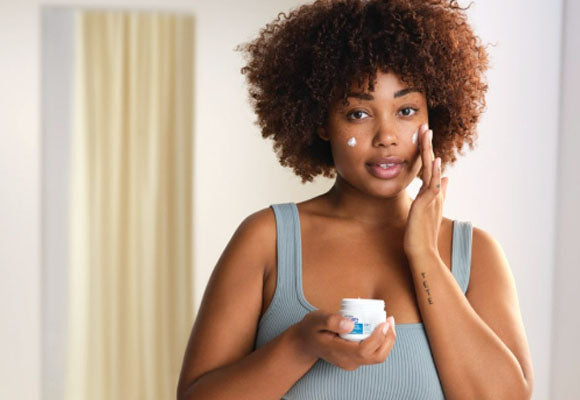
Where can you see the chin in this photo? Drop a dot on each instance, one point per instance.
(387, 189)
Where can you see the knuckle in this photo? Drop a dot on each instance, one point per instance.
(370, 351)
(351, 367)
(379, 358)
(385, 352)
(384, 356)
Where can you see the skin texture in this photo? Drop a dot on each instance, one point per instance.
(363, 227)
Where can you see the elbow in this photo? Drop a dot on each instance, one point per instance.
(184, 390)
(526, 385)
(181, 392)
(506, 389)
(520, 386)
(187, 392)
(522, 391)
(528, 389)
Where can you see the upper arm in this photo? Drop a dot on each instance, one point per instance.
(492, 294)
(225, 327)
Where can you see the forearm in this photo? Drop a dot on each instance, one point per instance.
(267, 373)
(472, 361)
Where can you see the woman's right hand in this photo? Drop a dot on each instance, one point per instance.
(318, 332)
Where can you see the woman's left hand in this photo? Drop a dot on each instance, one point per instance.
(426, 211)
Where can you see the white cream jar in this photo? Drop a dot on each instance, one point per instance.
(366, 314)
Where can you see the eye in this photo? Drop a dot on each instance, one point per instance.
(409, 108)
(355, 113)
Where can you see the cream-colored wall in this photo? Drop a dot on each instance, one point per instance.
(507, 186)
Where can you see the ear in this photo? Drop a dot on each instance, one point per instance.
(322, 134)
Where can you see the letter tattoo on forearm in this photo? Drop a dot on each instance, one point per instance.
(426, 287)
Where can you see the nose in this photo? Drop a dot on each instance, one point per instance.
(386, 134)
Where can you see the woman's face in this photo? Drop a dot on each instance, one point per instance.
(373, 125)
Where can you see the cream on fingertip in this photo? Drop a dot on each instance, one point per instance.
(415, 136)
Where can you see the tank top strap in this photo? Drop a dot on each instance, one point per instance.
(288, 251)
(284, 308)
(461, 253)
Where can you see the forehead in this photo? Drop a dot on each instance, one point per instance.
(387, 85)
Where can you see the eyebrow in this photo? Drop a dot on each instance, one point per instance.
(367, 96)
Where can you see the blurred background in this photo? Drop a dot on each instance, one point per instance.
(107, 240)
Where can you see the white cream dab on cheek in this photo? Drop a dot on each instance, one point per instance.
(351, 142)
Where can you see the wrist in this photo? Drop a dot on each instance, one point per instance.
(422, 256)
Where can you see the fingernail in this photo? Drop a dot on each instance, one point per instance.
(424, 126)
(438, 162)
(385, 328)
(430, 135)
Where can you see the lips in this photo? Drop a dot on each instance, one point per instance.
(385, 173)
(385, 160)
(394, 166)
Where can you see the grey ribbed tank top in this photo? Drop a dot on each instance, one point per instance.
(409, 372)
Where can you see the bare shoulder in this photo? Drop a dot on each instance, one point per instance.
(259, 230)
(488, 260)
(254, 232)
(261, 223)
(490, 269)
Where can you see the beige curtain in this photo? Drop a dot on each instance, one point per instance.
(130, 286)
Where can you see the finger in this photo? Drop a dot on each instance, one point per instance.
(420, 131)
(421, 134)
(371, 344)
(391, 335)
(426, 156)
(337, 323)
(435, 184)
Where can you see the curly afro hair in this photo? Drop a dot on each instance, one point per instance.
(300, 65)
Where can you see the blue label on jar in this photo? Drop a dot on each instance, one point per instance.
(359, 327)
(367, 328)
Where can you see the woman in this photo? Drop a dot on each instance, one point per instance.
(374, 93)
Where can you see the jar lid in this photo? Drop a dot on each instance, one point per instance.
(365, 303)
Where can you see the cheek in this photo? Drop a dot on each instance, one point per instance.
(348, 151)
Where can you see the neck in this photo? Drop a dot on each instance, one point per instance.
(350, 203)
